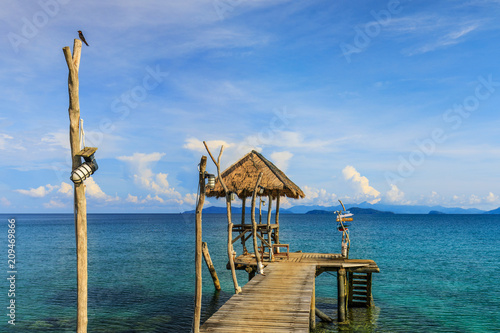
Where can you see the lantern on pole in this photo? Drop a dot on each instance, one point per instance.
(87, 168)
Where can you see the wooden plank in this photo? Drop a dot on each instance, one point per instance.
(86, 152)
(279, 301)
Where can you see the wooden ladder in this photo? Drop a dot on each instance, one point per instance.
(360, 290)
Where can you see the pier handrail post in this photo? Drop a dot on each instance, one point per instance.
(277, 218)
(80, 203)
(230, 250)
(198, 248)
(254, 226)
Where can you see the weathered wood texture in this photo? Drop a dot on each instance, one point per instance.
(360, 289)
(254, 223)
(80, 203)
(323, 261)
(341, 296)
(230, 251)
(198, 247)
(210, 266)
(279, 301)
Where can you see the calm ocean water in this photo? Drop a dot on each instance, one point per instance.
(439, 273)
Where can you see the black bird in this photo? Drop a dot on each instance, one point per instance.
(82, 38)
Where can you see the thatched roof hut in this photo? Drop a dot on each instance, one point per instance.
(240, 178)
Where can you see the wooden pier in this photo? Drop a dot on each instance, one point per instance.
(279, 301)
(282, 300)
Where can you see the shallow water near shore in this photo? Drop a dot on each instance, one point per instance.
(438, 272)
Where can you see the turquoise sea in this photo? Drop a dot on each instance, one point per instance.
(439, 273)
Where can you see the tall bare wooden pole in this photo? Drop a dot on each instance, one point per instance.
(237, 289)
(80, 204)
(198, 251)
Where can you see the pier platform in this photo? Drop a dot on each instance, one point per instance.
(283, 299)
(279, 301)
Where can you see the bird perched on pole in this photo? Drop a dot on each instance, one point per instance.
(80, 34)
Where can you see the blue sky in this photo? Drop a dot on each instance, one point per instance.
(381, 101)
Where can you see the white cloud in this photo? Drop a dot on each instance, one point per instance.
(214, 145)
(54, 204)
(94, 191)
(281, 159)
(66, 189)
(143, 175)
(315, 196)
(361, 183)
(190, 199)
(491, 197)
(38, 192)
(132, 198)
(474, 199)
(59, 139)
(147, 199)
(395, 195)
(7, 142)
(3, 141)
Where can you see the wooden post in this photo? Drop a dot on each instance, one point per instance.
(312, 313)
(260, 210)
(243, 203)
(350, 278)
(243, 200)
(369, 300)
(254, 224)
(270, 206)
(324, 317)
(277, 219)
(269, 238)
(198, 251)
(237, 288)
(210, 266)
(80, 203)
(341, 295)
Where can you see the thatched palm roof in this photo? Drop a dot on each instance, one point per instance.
(241, 177)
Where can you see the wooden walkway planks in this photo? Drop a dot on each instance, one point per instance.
(279, 301)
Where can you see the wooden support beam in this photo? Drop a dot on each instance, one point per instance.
(341, 295)
(312, 313)
(198, 246)
(264, 241)
(324, 317)
(210, 266)
(239, 236)
(254, 225)
(80, 202)
(269, 231)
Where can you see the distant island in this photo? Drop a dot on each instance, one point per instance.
(363, 208)
(354, 210)
(435, 212)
